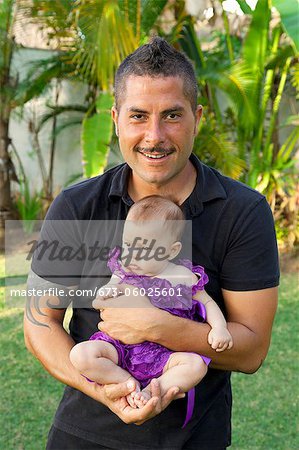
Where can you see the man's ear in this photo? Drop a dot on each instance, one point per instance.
(114, 115)
(175, 250)
(198, 114)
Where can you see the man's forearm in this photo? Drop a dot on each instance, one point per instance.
(51, 345)
(186, 335)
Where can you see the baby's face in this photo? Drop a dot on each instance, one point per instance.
(146, 247)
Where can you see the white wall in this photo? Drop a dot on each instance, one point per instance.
(67, 156)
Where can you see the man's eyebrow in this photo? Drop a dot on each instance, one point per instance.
(136, 110)
(175, 108)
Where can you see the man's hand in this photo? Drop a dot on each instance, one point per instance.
(130, 320)
(114, 397)
(130, 325)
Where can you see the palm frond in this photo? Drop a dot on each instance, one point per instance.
(40, 75)
(237, 83)
(56, 111)
(215, 147)
(150, 10)
(105, 38)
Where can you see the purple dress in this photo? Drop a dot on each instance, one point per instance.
(146, 360)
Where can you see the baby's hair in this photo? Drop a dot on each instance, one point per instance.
(157, 208)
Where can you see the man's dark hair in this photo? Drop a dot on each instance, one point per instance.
(157, 59)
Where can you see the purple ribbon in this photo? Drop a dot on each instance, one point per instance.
(190, 406)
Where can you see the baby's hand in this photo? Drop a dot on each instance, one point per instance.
(220, 339)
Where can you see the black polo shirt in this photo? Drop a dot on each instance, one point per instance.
(233, 237)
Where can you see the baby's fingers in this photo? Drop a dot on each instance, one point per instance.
(222, 347)
(226, 345)
(215, 344)
(210, 339)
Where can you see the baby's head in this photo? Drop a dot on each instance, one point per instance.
(152, 234)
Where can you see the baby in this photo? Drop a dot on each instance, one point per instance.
(146, 264)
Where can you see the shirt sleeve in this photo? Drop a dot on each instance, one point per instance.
(58, 254)
(251, 259)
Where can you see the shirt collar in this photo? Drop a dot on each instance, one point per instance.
(208, 186)
(119, 184)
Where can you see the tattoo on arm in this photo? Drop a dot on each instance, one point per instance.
(39, 295)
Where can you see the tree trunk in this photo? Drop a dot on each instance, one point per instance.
(6, 206)
(6, 165)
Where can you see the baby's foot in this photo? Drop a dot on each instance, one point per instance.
(141, 398)
(130, 397)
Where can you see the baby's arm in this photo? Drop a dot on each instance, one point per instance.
(219, 337)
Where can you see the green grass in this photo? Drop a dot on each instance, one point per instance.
(29, 395)
(265, 407)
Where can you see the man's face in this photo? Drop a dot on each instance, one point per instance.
(156, 127)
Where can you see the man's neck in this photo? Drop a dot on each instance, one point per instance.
(177, 189)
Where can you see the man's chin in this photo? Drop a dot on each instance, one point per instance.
(154, 179)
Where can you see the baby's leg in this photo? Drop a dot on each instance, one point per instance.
(182, 369)
(98, 360)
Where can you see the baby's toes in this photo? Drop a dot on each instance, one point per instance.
(137, 396)
(131, 400)
(145, 396)
(133, 394)
(139, 403)
(144, 400)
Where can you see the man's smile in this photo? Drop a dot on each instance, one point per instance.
(155, 154)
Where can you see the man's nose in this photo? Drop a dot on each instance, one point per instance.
(154, 133)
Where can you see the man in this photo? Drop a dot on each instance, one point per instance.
(156, 119)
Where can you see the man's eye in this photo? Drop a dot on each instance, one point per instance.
(173, 116)
(137, 116)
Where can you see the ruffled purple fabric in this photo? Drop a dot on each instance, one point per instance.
(146, 360)
(143, 361)
(181, 300)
